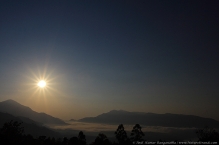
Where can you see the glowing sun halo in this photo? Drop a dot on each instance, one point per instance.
(41, 84)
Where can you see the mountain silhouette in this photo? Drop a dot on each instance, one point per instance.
(30, 126)
(151, 119)
(72, 120)
(16, 109)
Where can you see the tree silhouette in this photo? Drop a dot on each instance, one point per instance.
(12, 132)
(207, 134)
(101, 139)
(73, 141)
(121, 135)
(136, 133)
(65, 141)
(81, 138)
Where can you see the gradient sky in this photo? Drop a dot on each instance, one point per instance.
(96, 56)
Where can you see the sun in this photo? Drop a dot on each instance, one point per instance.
(42, 84)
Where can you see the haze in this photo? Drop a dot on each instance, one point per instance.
(97, 56)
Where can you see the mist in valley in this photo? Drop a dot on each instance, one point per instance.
(152, 133)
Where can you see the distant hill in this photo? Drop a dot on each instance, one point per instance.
(72, 120)
(30, 126)
(16, 109)
(151, 119)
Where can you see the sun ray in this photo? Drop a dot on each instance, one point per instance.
(41, 86)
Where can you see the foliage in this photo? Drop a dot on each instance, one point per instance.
(136, 133)
(12, 133)
(81, 138)
(207, 134)
(101, 139)
(121, 135)
(12, 128)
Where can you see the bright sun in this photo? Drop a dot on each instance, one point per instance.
(41, 84)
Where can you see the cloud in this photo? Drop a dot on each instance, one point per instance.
(151, 132)
(96, 127)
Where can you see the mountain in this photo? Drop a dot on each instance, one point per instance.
(16, 109)
(30, 126)
(151, 119)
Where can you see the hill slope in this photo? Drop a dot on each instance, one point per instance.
(151, 119)
(16, 109)
(30, 126)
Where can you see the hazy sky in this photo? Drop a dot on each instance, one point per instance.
(96, 56)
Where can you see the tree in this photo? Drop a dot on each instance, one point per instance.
(65, 141)
(121, 135)
(81, 138)
(12, 132)
(136, 133)
(207, 134)
(101, 139)
(73, 141)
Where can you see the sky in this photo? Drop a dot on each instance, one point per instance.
(96, 56)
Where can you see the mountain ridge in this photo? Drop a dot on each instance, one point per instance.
(152, 119)
(14, 108)
(30, 126)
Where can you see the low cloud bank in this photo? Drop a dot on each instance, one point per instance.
(151, 132)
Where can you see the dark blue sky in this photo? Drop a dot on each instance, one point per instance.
(149, 56)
